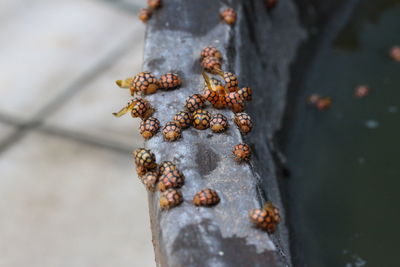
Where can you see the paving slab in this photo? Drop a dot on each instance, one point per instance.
(44, 47)
(5, 131)
(71, 204)
(89, 112)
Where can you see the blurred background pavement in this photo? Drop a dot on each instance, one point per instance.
(70, 195)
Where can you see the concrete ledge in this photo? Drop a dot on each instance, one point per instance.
(259, 48)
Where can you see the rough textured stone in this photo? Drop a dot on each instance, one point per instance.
(259, 48)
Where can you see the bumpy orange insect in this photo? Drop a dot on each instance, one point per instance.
(140, 170)
(233, 98)
(211, 64)
(184, 119)
(218, 123)
(144, 83)
(144, 14)
(244, 122)
(139, 107)
(229, 16)
(395, 53)
(171, 179)
(144, 157)
(231, 81)
(194, 102)
(154, 3)
(211, 96)
(324, 103)
(172, 131)
(242, 152)
(201, 119)
(150, 180)
(166, 166)
(215, 93)
(170, 81)
(246, 93)
(211, 51)
(266, 218)
(149, 127)
(361, 91)
(170, 198)
(206, 197)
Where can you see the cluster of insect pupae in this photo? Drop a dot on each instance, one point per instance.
(168, 179)
(220, 94)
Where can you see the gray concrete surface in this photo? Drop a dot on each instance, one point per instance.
(5, 131)
(70, 195)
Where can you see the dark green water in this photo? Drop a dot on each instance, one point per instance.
(344, 183)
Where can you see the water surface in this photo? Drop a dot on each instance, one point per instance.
(344, 183)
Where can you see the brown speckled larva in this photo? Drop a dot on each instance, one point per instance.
(266, 218)
(170, 198)
(323, 103)
(233, 98)
(144, 14)
(219, 123)
(395, 53)
(150, 180)
(140, 170)
(166, 166)
(242, 152)
(149, 127)
(211, 64)
(145, 83)
(171, 179)
(170, 81)
(211, 96)
(211, 51)
(231, 81)
(215, 92)
(184, 118)
(139, 108)
(144, 157)
(361, 91)
(172, 131)
(154, 3)
(201, 119)
(142, 109)
(194, 102)
(246, 93)
(244, 122)
(229, 16)
(206, 197)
